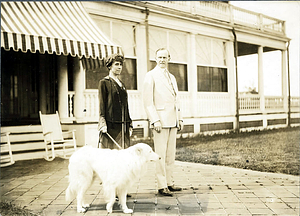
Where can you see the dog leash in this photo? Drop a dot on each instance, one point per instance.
(114, 141)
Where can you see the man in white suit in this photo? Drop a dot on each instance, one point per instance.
(160, 97)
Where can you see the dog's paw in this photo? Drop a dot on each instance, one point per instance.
(81, 210)
(86, 205)
(127, 211)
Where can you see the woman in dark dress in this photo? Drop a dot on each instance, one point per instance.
(114, 117)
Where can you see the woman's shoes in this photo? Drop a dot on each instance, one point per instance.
(173, 188)
(165, 192)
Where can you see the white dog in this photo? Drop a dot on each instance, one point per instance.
(117, 169)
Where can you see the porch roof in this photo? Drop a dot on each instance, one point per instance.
(63, 27)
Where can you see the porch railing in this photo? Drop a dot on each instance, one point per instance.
(295, 104)
(213, 104)
(209, 104)
(227, 13)
(91, 104)
(252, 103)
(249, 102)
(274, 103)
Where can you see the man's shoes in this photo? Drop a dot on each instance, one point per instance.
(165, 192)
(173, 188)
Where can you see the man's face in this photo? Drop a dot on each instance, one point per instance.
(162, 58)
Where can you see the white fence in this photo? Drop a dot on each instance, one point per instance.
(206, 104)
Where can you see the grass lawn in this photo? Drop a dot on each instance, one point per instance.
(9, 209)
(274, 150)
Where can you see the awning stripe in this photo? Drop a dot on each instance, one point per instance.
(62, 27)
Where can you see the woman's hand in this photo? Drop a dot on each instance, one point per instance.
(130, 131)
(103, 129)
(180, 126)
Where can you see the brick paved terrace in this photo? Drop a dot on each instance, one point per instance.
(40, 186)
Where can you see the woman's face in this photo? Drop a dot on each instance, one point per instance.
(116, 67)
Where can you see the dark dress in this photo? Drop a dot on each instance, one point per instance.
(113, 111)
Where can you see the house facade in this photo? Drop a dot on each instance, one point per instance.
(205, 40)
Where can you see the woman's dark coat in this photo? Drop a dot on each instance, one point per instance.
(113, 102)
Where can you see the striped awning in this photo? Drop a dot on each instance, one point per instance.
(62, 27)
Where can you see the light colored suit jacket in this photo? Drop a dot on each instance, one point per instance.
(160, 101)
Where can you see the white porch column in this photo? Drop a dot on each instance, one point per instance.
(62, 71)
(284, 79)
(192, 74)
(79, 86)
(141, 73)
(261, 83)
(230, 61)
(142, 57)
(43, 92)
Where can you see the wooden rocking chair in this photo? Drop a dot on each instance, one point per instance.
(55, 143)
(6, 153)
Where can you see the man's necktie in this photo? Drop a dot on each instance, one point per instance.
(167, 74)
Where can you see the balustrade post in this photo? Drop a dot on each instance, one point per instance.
(283, 27)
(260, 22)
(231, 18)
(193, 6)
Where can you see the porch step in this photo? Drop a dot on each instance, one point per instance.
(22, 129)
(26, 141)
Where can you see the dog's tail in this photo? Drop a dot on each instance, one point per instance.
(71, 190)
(69, 194)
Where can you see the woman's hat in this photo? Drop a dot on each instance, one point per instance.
(112, 58)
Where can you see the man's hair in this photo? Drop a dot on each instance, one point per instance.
(160, 49)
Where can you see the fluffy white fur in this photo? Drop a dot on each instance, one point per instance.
(117, 169)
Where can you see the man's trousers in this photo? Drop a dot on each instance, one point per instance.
(165, 147)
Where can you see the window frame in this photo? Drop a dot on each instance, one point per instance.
(110, 35)
(212, 67)
(186, 84)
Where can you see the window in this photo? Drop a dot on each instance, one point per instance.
(176, 43)
(128, 75)
(123, 34)
(212, 79)
(157, 39)
(92, 77)
(210, 51)
(180, 73)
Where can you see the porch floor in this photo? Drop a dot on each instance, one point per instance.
(208, 190)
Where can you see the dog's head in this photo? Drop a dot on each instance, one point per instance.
(144, 150)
